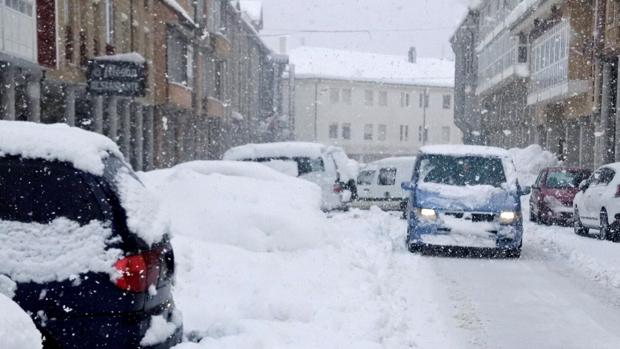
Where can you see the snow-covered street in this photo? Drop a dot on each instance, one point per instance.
(367, 291)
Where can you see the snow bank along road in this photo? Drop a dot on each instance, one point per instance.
(257, 267)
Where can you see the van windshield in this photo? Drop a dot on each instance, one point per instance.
(461, 170)
(39, 191)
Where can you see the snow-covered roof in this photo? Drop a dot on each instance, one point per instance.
(317, 62)
(463, 150)
(85, 150)
(253, 8)
(272, 150)
(180, 10)
(134, 57)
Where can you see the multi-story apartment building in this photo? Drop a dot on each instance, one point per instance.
(466, 109)
(534, 81)
(606, 57)
(373, 105)
(211, 81)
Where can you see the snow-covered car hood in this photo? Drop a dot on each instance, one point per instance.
(479, 198)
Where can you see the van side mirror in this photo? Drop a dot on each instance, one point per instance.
(526, 190)
(583, 185)
(408, 186)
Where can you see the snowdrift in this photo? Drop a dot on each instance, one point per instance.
(17, 331)
(530, 160)
(241, 204)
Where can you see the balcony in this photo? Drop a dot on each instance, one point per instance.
(551, 79)
(501, 62)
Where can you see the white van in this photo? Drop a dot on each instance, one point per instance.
(327, 166)
(378, 184)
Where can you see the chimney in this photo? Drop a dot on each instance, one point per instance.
(413, 55)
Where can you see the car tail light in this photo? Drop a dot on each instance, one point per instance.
(337, 188)
(138, 272)
(618, 191)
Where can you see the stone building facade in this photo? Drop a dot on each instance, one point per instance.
(212, 83)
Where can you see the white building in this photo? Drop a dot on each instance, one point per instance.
(373, 105)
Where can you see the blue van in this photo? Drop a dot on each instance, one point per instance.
(464, 197)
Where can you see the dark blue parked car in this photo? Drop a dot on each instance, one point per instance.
(102, 306)
(464, 198)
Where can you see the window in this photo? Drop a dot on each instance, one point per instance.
(346, 96)
(180, 59)
(424, 100)
(369, 97)
(366, 177)
(405, 99)
(404, 133)
(189, 58)
(387, 176)
(447, 101)
(220, 68)
(333, 131)
(334, 95)
(462, 171)
(109, 21)
(383, 98)
(346, 131)
(368, 132)
(445, 134)
(23, 6)
(382, 132)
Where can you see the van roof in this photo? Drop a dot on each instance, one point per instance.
(274, 150)
(463, 150)
(85, 150)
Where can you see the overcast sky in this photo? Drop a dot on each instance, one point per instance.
(393, 25)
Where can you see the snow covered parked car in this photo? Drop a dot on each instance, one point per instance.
(83, 241)
(597, 205)
(553, 193)
(378, 184)
(327, 166)
(464, 196)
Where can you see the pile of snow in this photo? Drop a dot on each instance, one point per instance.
(530, 161)
(85, 150)
(597, 259)
(326, 63)
(355, 291)
(161, 329)
(17, 331)
(55, 251)
(276, 150)
(242, 204)
(174, 4)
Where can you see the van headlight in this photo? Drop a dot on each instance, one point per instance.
(427, 214)
(507, 217)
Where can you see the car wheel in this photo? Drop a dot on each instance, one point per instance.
(579, 228)
(533, 217)
(605, 232)
(514, 253)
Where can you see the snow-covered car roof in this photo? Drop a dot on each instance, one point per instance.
(85, 150)
(463, 150)
(273, 150)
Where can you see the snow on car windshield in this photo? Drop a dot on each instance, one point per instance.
(462, 170)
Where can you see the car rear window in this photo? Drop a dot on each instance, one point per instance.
(365, 177)
(461, 170)
(387, 176)
(305, 165)
(40, 191)
(565, 179)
